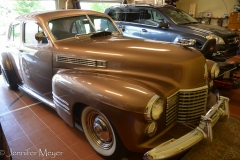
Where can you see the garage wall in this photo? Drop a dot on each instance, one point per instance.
(217, 7)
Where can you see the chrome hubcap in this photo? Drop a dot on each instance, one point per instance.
(99, 129)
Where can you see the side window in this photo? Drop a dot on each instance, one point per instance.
(117, 15)
(14, 33)
(30, 31)
(145, 17)
(151, 17)
(157, 17)
(132, 17)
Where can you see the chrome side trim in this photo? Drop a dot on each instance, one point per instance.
(60, 101)
(60, 106)
(44, 100)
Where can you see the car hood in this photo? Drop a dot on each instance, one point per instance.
(154, 63)
(208, 29)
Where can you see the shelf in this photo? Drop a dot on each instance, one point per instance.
(220, 20)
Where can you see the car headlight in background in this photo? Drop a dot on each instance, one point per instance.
(215, 71)
(154, 108)
(219, 40)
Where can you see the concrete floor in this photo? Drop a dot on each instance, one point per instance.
(34, 131)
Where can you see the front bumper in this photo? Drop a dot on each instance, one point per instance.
(204, 130)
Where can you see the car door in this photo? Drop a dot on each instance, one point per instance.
(150, 29)
(36, 60)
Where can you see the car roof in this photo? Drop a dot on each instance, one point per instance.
(134, 6)
(48, 15)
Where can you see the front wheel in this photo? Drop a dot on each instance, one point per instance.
(101, 135)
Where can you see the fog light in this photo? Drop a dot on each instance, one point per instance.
(152, 128)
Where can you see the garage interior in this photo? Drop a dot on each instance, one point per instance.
(31, 126)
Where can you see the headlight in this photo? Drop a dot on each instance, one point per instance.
(219, 40)
(154, 108)
(215, 71)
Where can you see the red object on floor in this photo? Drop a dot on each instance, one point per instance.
(224, 84)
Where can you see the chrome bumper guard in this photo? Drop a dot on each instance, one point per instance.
(204, 130)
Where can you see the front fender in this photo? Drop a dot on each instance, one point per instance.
(121, 100)
(92, 89)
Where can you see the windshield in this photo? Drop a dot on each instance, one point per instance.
(80, 25)
(178, 16)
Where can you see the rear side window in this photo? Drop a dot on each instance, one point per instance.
(14, 33)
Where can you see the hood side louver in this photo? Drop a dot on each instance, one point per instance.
(84, 62)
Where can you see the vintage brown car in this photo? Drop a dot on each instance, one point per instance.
(125, 94)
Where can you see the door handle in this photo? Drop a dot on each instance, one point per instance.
(119, 26)
(144, 30)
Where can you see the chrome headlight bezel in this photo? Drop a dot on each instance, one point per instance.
(154, 108)
(215, 71)
(219, 40)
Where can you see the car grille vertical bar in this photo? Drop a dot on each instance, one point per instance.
(172, 108)
(187, 106)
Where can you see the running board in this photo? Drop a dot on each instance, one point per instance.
(44, 100)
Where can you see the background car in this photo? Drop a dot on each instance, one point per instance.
(167, 23)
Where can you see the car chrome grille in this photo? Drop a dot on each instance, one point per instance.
(78, 61)
(186, 106)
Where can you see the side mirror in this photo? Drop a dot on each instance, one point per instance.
(163, 25)
(39, 36)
